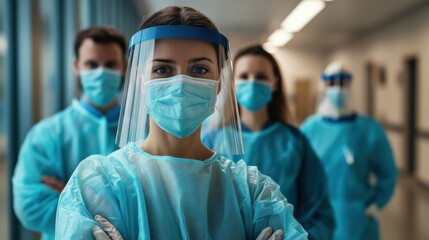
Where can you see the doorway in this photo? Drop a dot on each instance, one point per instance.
(411, 65)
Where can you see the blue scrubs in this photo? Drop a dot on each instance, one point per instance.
(54, 147)
(162, 197)
(283, 153)
(351, 149)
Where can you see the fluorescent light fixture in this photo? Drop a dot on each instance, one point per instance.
(269, 47)
(302, 14)
(279, 38)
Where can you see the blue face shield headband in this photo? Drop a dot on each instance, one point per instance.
(341, 76)
(179, 31)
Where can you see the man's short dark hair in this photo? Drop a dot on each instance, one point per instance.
(100, 35)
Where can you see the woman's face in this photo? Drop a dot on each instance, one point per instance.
(254, 67)
(184, 57)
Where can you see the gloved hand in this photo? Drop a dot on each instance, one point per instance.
(109, 232)
(267, 234)
(372, 211)
(113, 233)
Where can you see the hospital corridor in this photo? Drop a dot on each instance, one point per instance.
(226, 119)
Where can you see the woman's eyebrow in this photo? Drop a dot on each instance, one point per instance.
(193, 60)
(164, 60)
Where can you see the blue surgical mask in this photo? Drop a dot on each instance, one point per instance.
(337, 96)
(100, 85)
(253, 94)
(181, 103)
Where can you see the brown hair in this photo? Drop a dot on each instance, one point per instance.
(101, 35)
(277, 108)
(175, 15)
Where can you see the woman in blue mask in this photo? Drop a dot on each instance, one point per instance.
(278, 149)
(164, 183)
(354, 151)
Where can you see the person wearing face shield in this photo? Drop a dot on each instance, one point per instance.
(278, 149)
(164, 183)
(356, 155)
(54, 147)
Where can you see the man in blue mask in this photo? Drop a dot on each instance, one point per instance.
(354, 151)
(54, 147)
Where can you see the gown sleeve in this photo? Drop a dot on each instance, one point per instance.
(384, 167)
(271, 208)
(314, 211)
(95, 188)
(34, 203)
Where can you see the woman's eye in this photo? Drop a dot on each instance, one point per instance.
(199, 70)
(261, 77)
(112, 65)
(91, 64)
(162, 70)
(244, 76)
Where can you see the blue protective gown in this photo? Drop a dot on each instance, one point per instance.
(350, 150)
(54, 147)
(283, 153)
(162, 197)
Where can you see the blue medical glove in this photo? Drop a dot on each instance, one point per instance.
(267, 234)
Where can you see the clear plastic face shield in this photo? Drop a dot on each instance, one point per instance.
(180, 78)
(335, 99)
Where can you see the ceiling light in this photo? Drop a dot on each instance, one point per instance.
(279, 38)
(269, 47)
(302, 14)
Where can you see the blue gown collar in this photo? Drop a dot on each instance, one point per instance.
(112, 115)
(348, 118)
(244, 128)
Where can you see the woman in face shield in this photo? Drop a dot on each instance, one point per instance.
(164, 183)
(356, 156)
(278, 149)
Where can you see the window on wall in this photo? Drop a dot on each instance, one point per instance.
(2, 87)
(48, 84)
(4, 224)
(40, 80)
(2, 98)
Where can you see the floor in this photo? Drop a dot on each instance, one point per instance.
(405, 217)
